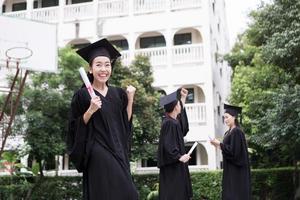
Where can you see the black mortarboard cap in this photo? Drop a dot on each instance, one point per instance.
(100, 48)
(164, 100)
(232, 110)
(168, 102)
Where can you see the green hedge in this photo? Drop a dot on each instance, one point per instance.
(275, 184)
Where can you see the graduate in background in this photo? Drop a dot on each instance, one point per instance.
(236, 167)
(100, 129)
(174, 176)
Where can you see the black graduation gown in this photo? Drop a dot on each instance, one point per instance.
(174, 176)
(100, 148)
(236, 168)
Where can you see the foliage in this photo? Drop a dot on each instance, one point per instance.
(207, 185)
(266, 75)
(276, 29)
(266, 184)
(146, 118)
(48, 188)
(9, 162)
(281, 125)
(275, 184)
(242, 54)
(252, 88)
(146, 184)
(46, 102)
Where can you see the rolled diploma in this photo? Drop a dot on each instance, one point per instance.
(86, 82)
(193, 147)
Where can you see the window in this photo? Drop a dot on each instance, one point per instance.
(80, 1)
(122, 44)
(71, 165)
(191, 96)
(35, 4)
(50, 163)
(3, 8)
(49, 3)
(151, 42)
(19, 6)
(184, 38)
(149, 163)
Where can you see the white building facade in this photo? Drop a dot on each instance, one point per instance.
(184, 39)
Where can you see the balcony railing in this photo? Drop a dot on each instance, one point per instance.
(196, 112)
(113, 8)
(180, 4)
(158, 56)
(187, 53)
(148, 6)
(106, 8)
(18, 14)
(78, 11)
(49, 14)
(125, 58)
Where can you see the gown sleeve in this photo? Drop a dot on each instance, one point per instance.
(170, 152)
(77, 132)
(234, 150)
(183, 120)
(127, 122)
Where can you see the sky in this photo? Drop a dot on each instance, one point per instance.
(237, 19)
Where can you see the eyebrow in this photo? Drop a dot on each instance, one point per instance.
(102, 62)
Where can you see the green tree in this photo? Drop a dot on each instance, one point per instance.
(46, 124)
(46, 101)
(281, 125)
(266, 75)
(276, 29)
(242, 54)
(253, 88)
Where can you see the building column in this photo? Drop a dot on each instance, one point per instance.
(29, 6)
(24, 162)
(8, 6)
(1, 4)
(60, 163)
(169, 44)
(95, 34)
(66, 163)
(61, 7)
(132, 36)
(130, 8)
(211, 155)
(131, 46)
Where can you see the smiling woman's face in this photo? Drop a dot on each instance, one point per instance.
(101, 69)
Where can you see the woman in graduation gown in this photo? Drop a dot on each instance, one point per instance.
(236, 167)
(99, 133)
(174, 177)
